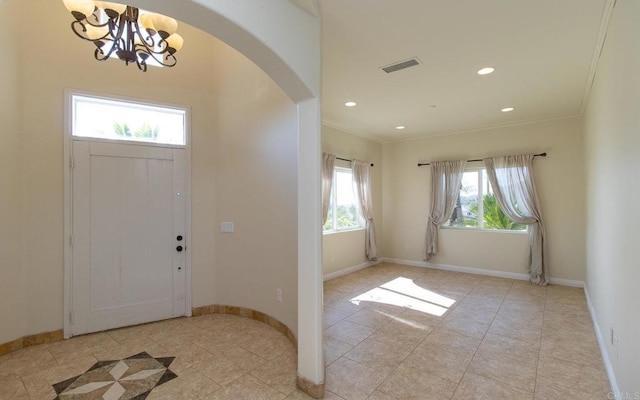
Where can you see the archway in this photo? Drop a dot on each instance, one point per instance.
(284, 41)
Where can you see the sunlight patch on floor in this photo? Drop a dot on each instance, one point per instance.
(403, 292)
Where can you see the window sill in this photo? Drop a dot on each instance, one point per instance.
(500, 231)
(342, 231)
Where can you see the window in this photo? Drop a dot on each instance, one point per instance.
(343, 212)
(121, 120)
(477, 206)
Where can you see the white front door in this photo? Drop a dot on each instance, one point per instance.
(128, 221)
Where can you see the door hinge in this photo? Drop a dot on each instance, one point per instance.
(72, 162)
(71, 318)
(71, 240)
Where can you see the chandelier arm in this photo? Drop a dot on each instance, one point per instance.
(79, 29)
(96, 22)
(99, 55)
(145, 49)
(172, 60)
(146, 43)
(163, 45)
(74, 28)
(143, 35)
(159, 56)
(141, 63)
(113, 35)
(168, 61)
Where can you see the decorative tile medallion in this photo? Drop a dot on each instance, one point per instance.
(132, 378)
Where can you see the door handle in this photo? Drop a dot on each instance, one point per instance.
(179, 248)
(179, 238)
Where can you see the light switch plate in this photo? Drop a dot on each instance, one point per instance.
(227, 227)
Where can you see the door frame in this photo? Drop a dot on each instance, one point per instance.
(68, 193)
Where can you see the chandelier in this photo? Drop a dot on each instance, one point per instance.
(126, 32)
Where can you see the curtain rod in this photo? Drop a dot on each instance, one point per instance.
(344, 159)
(535, 155)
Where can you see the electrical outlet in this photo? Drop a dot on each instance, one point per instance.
(279, 295)
(227, 227)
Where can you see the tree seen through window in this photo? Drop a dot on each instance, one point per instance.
(343, 212)
(470, 212)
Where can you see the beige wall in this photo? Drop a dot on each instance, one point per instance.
(256, 188)
(198, 81)
(612, 155)
(559, 179)
(346, 249)
(70, 65)
(11, 274)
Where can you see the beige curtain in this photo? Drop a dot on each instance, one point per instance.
(362, 187)
(328, 162)
(446, 178)
(511, 178)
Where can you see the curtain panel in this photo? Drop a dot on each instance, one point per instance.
(328, 162)
(361, 172)
(446, 179)
(511, 178)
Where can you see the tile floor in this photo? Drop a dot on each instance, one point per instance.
(399, 332)
(216, 357)
(391, 332)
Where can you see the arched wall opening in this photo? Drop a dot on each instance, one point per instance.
(281, 40)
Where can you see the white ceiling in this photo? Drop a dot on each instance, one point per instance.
(542, 50)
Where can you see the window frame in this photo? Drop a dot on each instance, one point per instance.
(480, 227)
(125, 101)
(334, 201)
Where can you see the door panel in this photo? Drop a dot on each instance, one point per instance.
(125, 219)
(179, 229)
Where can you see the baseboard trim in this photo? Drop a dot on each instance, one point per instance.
(347, 271)
(247, 313)
(31, 340)
(566, 282)
(603, 349)
(479, 271)
(315, 390)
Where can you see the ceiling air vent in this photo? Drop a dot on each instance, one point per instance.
(412, 62)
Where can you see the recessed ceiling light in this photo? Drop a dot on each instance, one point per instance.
(507, 109)
(399, 127)
(485, 71)
(350, 104)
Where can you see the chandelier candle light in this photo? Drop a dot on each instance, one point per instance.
(126, 32)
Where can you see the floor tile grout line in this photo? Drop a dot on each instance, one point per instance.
(440, 320)
(395, 369)
(544, 313)
(480, 344)
(24, 385)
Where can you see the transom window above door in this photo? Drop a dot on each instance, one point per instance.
(114, 119)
